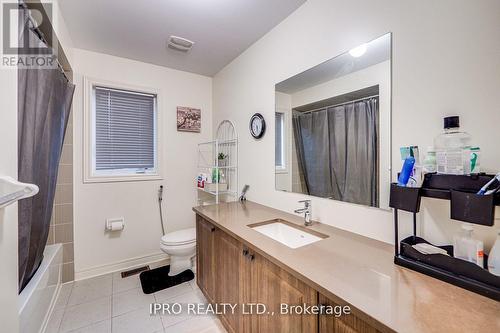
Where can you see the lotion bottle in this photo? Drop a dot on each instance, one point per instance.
(467, 248)
(494, 257)
(430, 161)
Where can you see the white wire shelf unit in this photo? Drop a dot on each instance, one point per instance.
(218, 161)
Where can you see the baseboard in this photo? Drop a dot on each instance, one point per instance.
(156, 259)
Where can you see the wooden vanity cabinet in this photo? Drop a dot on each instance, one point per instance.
(205, 257)
(272, 286)
(228, 271)
(227, 274)
(343, 324)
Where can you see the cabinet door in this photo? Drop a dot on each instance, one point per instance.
(249, 276)
(227, 263)
(274, 286)
(344, 324)
(205, 257)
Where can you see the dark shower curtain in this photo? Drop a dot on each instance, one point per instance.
(313, 152)
(337, 151)
(44, 102)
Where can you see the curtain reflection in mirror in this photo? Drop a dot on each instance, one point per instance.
(337, 151)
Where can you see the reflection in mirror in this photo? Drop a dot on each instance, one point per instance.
(333, 127)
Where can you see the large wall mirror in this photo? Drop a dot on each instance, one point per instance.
(333, 127)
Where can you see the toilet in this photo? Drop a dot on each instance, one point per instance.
(181, 247)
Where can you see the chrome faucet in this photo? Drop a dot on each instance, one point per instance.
(307, 210)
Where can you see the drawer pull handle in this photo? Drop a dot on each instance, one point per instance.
(212, 229)
(245, 253)
(251, 257)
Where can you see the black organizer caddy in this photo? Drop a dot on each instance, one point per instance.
(465, 206)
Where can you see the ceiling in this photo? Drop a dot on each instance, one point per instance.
(377, 51)
(221, 29)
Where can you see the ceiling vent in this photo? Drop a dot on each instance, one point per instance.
(180, 44)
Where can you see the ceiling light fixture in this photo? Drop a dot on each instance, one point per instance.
(358, 51)
(179, 44)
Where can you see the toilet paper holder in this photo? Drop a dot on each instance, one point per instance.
(115, 224)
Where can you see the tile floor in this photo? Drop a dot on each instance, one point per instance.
(110, 303)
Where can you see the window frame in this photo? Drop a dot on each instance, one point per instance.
(284, 142)
(90, 174)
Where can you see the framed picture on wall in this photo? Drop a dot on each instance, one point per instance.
(188, 119)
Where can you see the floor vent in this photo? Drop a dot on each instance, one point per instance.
(135, 271)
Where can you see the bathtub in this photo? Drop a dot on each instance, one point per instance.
(37, 299)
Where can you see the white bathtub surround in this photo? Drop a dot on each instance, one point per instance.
(122, 307)
(38, 298)
(11, 191)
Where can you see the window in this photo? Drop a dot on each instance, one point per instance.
(280, 141)
(123, 135)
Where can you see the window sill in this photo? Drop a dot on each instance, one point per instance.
(121, 178)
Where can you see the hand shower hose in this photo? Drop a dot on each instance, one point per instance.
(160, 199)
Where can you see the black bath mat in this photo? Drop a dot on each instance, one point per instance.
(157, 279)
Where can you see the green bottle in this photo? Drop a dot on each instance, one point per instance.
(475, 166)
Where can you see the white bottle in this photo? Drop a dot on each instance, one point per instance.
(430, 161)
(494, 257)
(452, 149)
(416, 177)
(467, 248)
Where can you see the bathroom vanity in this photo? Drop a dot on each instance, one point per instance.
(237, 264)
(229, 271)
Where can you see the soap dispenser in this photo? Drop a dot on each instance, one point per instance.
(494, 257)
(467, 248)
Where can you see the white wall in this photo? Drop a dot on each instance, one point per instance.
(445, 60)
(95, 250)
(8, 216)
(378, 74)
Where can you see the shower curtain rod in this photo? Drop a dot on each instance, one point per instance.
(334, 105)
(41, 36)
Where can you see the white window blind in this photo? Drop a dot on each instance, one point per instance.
(124, 130)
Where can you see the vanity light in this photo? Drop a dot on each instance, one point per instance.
(358, 51)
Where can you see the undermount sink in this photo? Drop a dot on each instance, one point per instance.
(288, 233)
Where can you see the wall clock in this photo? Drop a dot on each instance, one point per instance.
(257, 126)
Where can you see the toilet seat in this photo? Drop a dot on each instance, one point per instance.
(180, 245)
(179, 237)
